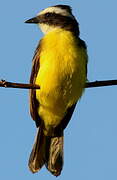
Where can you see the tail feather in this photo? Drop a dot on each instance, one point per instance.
(55, 161)
(48, 151)
(37, 159)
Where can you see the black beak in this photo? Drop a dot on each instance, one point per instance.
(34, 20)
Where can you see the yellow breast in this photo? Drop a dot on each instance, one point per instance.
(62, 73)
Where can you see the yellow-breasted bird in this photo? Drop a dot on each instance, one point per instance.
(59, 67)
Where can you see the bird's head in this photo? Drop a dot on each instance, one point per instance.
(59, 16)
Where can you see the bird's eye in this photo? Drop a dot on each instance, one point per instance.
(47, 14)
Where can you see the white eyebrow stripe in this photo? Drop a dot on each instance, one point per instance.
(57, 11)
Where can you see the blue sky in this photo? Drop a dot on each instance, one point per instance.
(91, 136)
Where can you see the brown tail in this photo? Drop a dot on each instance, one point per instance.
(48, 151)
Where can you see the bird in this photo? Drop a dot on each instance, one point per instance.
(59, 67)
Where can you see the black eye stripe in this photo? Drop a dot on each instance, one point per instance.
(50, 14)
(53, 18)
(56, 15)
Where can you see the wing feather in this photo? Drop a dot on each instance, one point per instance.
(34, 104)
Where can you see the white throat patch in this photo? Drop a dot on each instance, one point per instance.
(46, 28)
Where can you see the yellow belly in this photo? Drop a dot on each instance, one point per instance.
(62, 75)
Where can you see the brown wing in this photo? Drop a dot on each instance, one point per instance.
(83, 45)
(34, 104)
